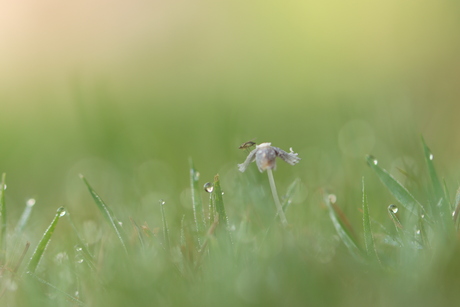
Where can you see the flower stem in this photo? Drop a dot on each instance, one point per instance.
(275, 197)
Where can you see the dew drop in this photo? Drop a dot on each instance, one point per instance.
(332, 198)
(196, 176)
(120, 223)
(61, 211)
(80, 260)
(393, 208)
(30, 202)
(78, 248)
(161, 202)
(223, 192)
(4, 187)
(373, 160)
(431, 157)
(417, 231)
(453, 213)
(422, 216)
(208, 187)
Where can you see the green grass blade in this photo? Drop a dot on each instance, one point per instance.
(25, 215)
(436, 184)
(287, 200)
(2, 220)
(219, 205)
(339, 225)
(197, 203)
(165, 226)
(368, 237)
(38, 253)
(106, 212)
(401, 194)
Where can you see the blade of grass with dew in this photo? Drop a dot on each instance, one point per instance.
(401, 194)
(40, 249)
(343, 232)
(436, 184)
(165, 226)
(368, 236)
(219, 205)
(290, 194)
(3, 220)
(106, 212)
(81, 247)
(197, 203)
(25, 215)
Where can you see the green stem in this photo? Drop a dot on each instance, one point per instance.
(275, 197)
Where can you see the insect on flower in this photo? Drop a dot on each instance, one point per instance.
(247, 145)
(265, 156)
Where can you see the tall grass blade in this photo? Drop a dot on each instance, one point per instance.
(368, 236)
(436, 184)
(25, 215)
(197, 203)
(339, 222)
(3, 220)
(40, 249)
(107, 213)
(166, 239)
(219, 205)
(287, 200)
(401, 194)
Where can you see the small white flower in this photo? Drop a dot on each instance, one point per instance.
(265, 156)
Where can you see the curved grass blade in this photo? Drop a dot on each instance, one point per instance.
(368, 237)
(2, 220)
(106, 212)
(197, 203)
(338, 220)
(401, 194)
(40, 249)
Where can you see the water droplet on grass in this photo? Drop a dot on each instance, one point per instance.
(393, 208)
(431, 157)
(417, 232)
(373, 160)
(196, 176)
(80, 261)
(61, 211)
(30, 202)
(208, 187)
(162, 202)
(78, 248)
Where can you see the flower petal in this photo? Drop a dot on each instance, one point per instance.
(251, 157)
(290, 157)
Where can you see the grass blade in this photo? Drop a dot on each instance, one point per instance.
(219, 205)
(197, 203)
(401, 194)
(368, 237)
(25, 215)
(287, 200)
(436, 184)
(339, 222)
(106, 212)
(38, 253)
(165, 226)
(2, 220)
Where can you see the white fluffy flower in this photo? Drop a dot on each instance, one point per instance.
(265, 156)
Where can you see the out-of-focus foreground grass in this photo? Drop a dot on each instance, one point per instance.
(125, 93)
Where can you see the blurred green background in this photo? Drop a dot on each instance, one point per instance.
(125, 92)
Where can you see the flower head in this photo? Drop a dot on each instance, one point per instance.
(265, 156)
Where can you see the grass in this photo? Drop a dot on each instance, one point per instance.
(241, 258)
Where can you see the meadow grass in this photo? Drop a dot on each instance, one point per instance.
(214, 259)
